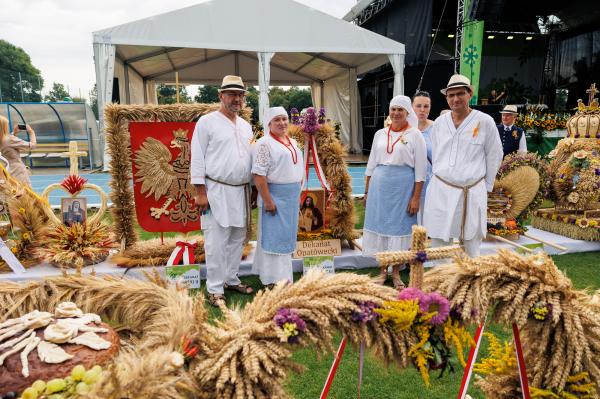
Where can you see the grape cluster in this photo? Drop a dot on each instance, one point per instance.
(79, 382)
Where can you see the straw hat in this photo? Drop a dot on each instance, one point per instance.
(457, 80)
(233, 83)
(509, 109)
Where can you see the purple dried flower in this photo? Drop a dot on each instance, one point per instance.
(421, 256)
(597, 172)
(437, 303)
(366, 312)
(321, 116)
(289, 320)
(295, 116)
(411, 293)
(309, 123)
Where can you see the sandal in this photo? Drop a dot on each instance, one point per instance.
(241, 288)
(216, 300)
(380, 279)
(396, 280)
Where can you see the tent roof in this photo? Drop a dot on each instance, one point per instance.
(205, 41)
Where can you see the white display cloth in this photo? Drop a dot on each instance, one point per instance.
(349, 260)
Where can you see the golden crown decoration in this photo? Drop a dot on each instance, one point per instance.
(180, 134)
(585, 124)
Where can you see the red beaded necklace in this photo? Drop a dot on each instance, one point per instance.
(389, 138)
(289, 146)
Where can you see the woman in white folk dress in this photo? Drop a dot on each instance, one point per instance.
(396, 170)
(277, 171)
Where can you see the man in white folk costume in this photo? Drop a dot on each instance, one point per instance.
(395, 173)
(277, 170)
(220, 168)
(466, 153)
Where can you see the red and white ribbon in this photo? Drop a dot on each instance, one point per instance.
(466, 378)
(184, 251)
(310, 149)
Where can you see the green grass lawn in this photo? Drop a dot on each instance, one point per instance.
(380, 382)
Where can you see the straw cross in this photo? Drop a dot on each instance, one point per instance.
(417, 255)
(73, 156)
(592, 91)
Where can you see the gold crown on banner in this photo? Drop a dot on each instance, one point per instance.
(180, 134)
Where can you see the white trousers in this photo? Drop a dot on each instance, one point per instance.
(472, 247)
(223, 247)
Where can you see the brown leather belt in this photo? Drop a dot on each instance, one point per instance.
(465, 190)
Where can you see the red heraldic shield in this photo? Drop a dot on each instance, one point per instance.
(161, 176)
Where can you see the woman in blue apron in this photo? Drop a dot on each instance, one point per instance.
(396, 170)
(277, 171)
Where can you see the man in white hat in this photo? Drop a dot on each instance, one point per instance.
(511, 136)
(221, 162)
(466, 154)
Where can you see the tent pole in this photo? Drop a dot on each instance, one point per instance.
(177, 86)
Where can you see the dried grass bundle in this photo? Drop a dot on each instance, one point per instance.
(523, 184)
(509, 285)
(243, 355)
(331, 154)
(156, 253)
(117, 119)
(565, 229)
(77, 245)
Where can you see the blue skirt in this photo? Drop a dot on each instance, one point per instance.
(390, 190)
(279, 231)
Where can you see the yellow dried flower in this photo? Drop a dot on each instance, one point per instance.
(401, 313)
(26, 236)
(22, 211)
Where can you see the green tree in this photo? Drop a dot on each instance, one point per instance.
(278, 97)
(299, 98)
(58, 93)
(12, 61)
(94, 100)
(207, 94)
(166, 94)
(252, 102)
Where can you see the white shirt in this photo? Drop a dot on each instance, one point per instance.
(461, 156)
(274, 160)
(522, 142)
(221, 150)
(410, 150)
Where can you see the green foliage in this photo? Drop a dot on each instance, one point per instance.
(252, 102)
(294, 97)
(166, 94)
(516, 92)
(12, 61)
(58, 93)
(94, 101)
(207, 94)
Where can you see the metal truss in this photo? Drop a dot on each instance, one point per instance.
(460, 21)
(371, 10)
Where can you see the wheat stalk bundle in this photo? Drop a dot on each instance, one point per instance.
(523, 184)
(509, 285)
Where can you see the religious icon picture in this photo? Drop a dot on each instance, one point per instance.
(312, 210)
(73, 210)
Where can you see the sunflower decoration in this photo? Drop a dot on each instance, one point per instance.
(577, 181)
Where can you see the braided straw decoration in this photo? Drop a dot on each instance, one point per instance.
(508, 285)
(418, 240)
(242, 355)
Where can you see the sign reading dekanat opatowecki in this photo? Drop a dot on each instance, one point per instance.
(163, 193)
(317, 248)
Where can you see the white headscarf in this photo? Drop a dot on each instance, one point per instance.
(272, 113)
(405, 103)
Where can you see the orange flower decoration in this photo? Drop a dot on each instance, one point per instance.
(476, 131)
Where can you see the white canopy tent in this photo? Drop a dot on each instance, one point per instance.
(267, 42)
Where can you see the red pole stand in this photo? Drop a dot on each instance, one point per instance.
(521, 363)
(334, 367)
(466, 378)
